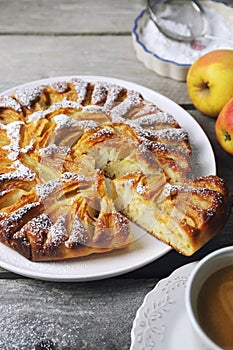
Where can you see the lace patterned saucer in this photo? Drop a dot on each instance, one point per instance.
(161, 323)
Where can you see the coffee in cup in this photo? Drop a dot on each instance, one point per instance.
(209, 299)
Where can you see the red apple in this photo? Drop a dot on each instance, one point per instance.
(210, 81)
(224, 127)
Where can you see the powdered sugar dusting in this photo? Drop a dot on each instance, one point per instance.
(57, 233)
(187, 188)
(95, 109)
(59, 86)
(9, 102)
(129, 182)
(140, 189)
(63, 104)
(34, 117)
(151, 145)
(28, 95)
(100, 92)
(3, 193)
(132, 100)
(173, 134)
(81, 88)
(9, 223)
(105, 132)
(27, 325)
(113, 94)
(28, 148)
(149, 108)
(44, 190)
(87, 124)
(79, 234)
(39, 223)
(23, 170)
(52, 149)
(53, 108)
(13, 134)
(63, 121)
(68, 176)
(158, 117)
(21, 173)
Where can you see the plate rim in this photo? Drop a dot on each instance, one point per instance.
(57, 277)
(188, 267)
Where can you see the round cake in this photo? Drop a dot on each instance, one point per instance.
(80, 159)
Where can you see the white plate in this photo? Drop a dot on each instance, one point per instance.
(146, 248)
(161, 322)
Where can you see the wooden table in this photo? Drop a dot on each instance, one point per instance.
(40, 39)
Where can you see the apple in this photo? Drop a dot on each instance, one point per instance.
(210, 81)
(224, 127)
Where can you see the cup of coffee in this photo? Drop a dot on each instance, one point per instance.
(209, 300)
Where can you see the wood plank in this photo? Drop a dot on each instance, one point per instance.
(29, 58)
(70, 16)
(96, 315)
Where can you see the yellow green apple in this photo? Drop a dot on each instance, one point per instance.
(210, 81)
(224, 127)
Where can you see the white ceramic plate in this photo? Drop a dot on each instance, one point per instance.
(161, 323)
(145, 248)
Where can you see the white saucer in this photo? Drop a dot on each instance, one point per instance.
(161, 322)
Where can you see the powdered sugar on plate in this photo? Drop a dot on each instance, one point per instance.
(187, 53)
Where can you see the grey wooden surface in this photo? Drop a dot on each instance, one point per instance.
(40, 39)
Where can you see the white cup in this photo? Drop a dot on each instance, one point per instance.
(205, 268)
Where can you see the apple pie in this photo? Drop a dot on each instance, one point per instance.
(80, 159)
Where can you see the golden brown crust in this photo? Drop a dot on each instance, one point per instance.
(185, 217)
(54, 203)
